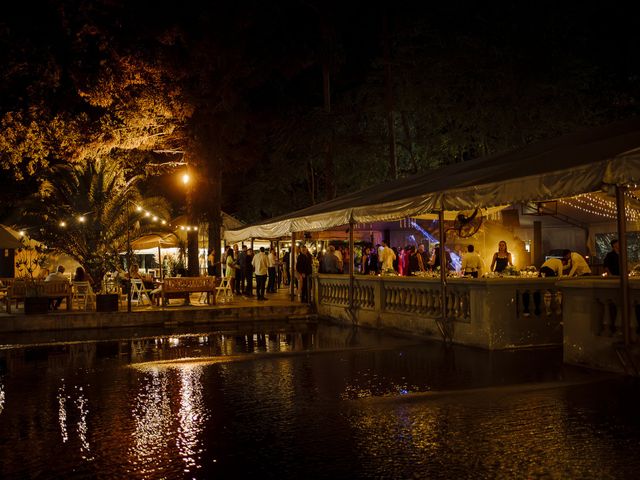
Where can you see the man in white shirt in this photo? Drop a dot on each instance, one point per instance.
(57, 276)
(260, 264)
(578, 264)
(471, 263)
(552, 268)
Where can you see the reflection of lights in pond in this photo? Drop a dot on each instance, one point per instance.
(62, 413)
(189, 362)
(82, 428)
(1, 396)
(155, 410)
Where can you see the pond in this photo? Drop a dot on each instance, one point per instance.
(304, 401)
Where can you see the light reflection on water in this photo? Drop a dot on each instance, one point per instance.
(1, 395)
(326, 402)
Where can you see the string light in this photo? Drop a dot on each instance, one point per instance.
(596, 205)
(146, 214)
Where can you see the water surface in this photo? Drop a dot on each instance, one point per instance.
(305, 401)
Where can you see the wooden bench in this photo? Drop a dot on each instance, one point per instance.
(17, 291)
(173, 287)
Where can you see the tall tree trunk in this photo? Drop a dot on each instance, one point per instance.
(214, 217)
(330, 186)
(407, 134)
(312, 184)
(389, 104)
(192, 235)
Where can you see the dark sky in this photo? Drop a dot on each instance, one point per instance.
(468, 78)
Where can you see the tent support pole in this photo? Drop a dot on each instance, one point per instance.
(443, 274)
(292, 263)
(351, 264)
(624, 276)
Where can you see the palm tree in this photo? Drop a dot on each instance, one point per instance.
(92, 213)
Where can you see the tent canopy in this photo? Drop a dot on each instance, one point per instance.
(587, 161)
(9, 239)
(154, 240)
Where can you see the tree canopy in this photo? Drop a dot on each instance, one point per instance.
(278, 105)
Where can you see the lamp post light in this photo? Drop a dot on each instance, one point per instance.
(129, 255)
(192, 233)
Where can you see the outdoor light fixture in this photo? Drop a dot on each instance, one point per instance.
(164, 222)
(63, 224)
(138, 208)
(81, 219)
(147, 214)
(185, 178)
(22, 233)
(155, 219)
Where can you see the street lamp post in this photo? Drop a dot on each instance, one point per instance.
(129, 255)
(192, 233)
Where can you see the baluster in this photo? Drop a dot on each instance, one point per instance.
(433, 303)
(467, 305)
(420, 301)
(613, 316)
(547, 302)
(537, 300)
(603, 315)
(526, 297)
(458, 307)
(558, 302)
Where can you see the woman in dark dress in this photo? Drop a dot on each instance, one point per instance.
(502, 258)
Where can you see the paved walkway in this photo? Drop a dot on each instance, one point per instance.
(277, 306)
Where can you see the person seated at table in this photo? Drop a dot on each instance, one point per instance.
(552, 268)
(82, 276)
(134, 272)
(57, 276)
(576, 263)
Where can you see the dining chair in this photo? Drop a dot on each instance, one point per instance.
(82, 295)
(139, 291)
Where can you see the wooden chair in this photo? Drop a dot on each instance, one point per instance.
(138, 292)
(223, 291)
(82, 295)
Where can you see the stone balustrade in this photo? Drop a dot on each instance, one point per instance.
(492, 313)
(595, 322)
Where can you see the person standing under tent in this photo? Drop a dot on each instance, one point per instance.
(248, 273)
(304, 270)
(502, 258)
(261, 267)
(612, 259)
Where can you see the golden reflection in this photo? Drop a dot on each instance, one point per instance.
(192, 415)
(189, 362)
(82, 429)
(62, 413)
(152, 418)
(82, 404)
(1, 396)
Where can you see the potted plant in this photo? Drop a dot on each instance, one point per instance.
(31, 259)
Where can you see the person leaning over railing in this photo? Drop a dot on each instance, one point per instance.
(578, 265)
